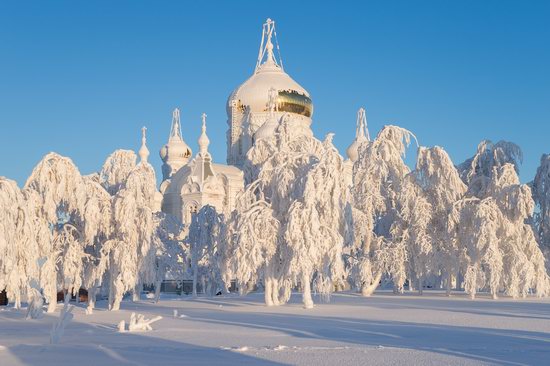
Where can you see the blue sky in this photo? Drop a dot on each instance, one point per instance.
(81, 77)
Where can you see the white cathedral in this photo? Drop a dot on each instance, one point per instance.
(254, 110)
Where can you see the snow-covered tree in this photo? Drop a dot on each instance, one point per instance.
(524, 262)
(476, 171)
(206, 238)
(412, 236)
(498, 250)
(18, 249)
(116, 169)
(168, 244)
(378, 175)
(253, 244)
(442, 187)
(56, 196)
(132, 260)
(315, 228)
(97, 231)
(541, 194)
(297, 188)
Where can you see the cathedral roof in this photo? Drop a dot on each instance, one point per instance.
(176, 150)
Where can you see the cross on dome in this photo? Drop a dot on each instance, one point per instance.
(361, 131)
(361, 135)
(175, 131)
(266, 47)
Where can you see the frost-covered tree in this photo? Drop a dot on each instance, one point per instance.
(541, 194)
(413, 236)
(131, 258)
(18, 249)
(524, 262)
(378, 175)
(477, 171)
(168, 244)
(206, 238)
(314, 234)
(253, 244)
(298, 188)
(97, 231)
(116, 169)
(498, 250)
(56, 197)
(442, 187)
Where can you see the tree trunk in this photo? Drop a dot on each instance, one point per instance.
(368, 289)
(116, 303)
(17, 300)
(306, 292)
(449, 278)
(136, 294)
(115, 293)
(52, 300)
(275, 292)
(268, 295)
(209, 288)
(157, 290)
(195, 279)
(420, 286)
(92, 291)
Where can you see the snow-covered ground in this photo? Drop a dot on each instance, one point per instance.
(350, 330)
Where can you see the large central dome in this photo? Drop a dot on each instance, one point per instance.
(253, 93)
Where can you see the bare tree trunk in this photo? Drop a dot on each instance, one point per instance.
(420, 286)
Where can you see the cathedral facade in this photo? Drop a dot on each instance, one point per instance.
(254, 111)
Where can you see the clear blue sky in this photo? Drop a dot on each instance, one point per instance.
(81, 77)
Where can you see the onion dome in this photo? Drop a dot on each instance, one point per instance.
(204, 141)
(253, 93)
(361, 135)
(176, 152)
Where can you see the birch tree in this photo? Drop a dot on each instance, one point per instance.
(378, 175)
(130, 245)
(56, 194)
(541, 195)
(206, 235)
(18, 249)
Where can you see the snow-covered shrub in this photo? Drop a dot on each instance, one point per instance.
(137, 323)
